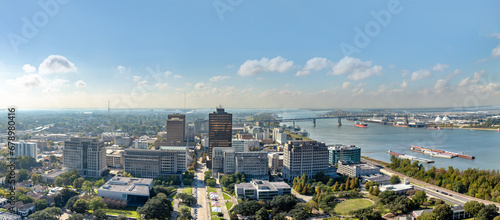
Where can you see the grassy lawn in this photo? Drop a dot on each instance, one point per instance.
(296, 136)
(129, 211)
(226, 197)
(188, 190)
(211, 189)
(229, 205)
(352, 205)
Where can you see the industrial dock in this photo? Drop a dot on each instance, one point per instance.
(409, 157)
(440, 153)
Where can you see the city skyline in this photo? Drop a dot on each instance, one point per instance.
(248, 54)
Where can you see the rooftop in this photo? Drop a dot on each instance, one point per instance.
(136, 186)
(264, 185)
(343, 147)
(173, 148)
(56, 173)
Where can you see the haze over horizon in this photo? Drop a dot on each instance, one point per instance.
(249, 54)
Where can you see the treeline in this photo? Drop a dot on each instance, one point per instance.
(482, 184)
(228, 181)
(277, 208)
(323, 183)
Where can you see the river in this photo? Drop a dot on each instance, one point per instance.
(377, 139)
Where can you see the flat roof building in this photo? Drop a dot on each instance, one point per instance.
(156, 163)
(25, 149)
(356, 170)
(176, 128)
(349, 154)
(261, 190)
(304, 157)
(115, 158)
(87, 155)
(219, 131)
(133, 190)
(50, 177)
(253, 164)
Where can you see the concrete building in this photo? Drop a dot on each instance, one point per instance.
(88, 156)
(381, 179)
(253, 164)
(50, 177)
(141, 144)
(9, 216)
(190, 132)
(115, 158)
(221, 164)
(176, 125)
(275, 160)
(156, 163)
(123, 141)
(357, 169)
(304, 157)
(220, 130)
(25, 149)
(245, 136)
(349, 154)
(182, 156)
(261, 190)
(133, 190)
(401, 189)
(229, 161)
(242, 145)
(281, 138)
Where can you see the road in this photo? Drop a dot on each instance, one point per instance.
(201, 210)
(455, 198)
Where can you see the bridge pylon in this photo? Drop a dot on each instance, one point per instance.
(339, 123)
(314, 122)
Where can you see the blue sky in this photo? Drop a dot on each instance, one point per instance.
(249, 54)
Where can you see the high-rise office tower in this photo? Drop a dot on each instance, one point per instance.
(176, 125)
(219, 131)
(87, 155)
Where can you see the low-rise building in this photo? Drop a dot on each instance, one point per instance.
(133, 190)
(9, 216)
(381, 179)
(156, 163)
(115, 158)
(261, 190)
(357, 169)
(51, 176)
(398, 188)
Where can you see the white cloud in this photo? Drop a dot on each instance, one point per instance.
(229, 66)
(315, 63)
(356, 68)
(420, 74)
(392, 66)
(441, 85)
(496, 51)
(29, 68)
(497, 35)
(382, 88)
(286, 85)
(362, 84)
(137, 78)
(121, 69)
(277, 64)
(80, 84)
(440, 67)
(168, 73)
(218, 78)
(56, 64)
(287, 92)
(176, 76)
(28, 81)
(199, 85)
(405, 73)
(404, 84)
(143, 83)
(346, 85)
(260, 79)
(456, 72)
(161, 85)
(53, 86)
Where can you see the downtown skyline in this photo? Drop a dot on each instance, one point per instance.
(249, 54)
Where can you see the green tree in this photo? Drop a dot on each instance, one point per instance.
(442, 212)
(376, 191)
(87, 187)
(71, 202)
(42, 215)
(76, 216)
(262, 214)
(77, 184)
(99, 183)
(395, 179)
(420, 197)
(54, 211)
(80, 206)
(36, 178)
(99, 214)
(23, 175)
(185, 214)
(122, 217)
(488, 212)
(156, 207)
(25, 198)
(426, 216)
(59, 181)
(53, 158)
(96, 203)
(473, 207)
(41, 204)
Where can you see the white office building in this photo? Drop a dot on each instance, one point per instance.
(25, 149)
(304, 157)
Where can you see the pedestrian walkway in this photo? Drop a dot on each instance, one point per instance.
(176, 204)
(222, 203)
